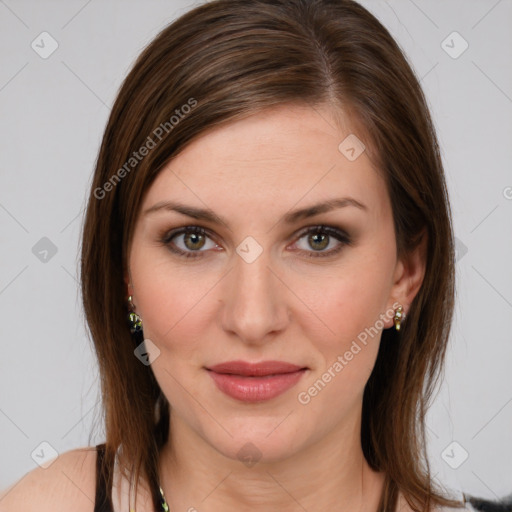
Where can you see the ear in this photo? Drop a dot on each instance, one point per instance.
(408, 276)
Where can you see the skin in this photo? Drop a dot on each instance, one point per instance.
(283, 306)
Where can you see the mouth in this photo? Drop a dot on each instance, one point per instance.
(255, 382)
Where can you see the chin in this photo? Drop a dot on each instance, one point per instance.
(251, 446)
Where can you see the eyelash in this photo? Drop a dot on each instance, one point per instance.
(341, 236)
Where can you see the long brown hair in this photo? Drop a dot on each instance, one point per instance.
(225, 60)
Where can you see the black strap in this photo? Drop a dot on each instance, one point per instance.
(103, 500)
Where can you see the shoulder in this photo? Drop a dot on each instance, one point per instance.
(68, 483)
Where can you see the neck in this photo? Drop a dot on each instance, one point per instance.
(331, 473)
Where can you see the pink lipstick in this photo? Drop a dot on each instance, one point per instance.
(255, 382)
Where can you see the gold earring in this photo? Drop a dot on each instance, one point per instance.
(398, 317)
(134, 320)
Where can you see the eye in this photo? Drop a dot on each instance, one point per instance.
(319, 238)
(189, 240)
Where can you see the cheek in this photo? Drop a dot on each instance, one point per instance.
(344, 360)
(353, 298)
(174, 303)
(351, 304)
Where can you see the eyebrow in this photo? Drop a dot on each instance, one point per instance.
(207, 214)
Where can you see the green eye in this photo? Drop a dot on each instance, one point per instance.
(320, 237)
(195, 239)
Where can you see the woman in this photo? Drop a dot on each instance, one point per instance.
(270, 214)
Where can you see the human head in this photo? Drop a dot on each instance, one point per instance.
(225, 61)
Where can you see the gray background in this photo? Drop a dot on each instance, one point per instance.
(53, 112)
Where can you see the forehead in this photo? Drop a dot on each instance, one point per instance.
(289, 155)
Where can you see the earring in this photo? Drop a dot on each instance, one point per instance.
(134, 320)
(399, 316)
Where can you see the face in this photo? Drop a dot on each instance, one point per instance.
(263, 284)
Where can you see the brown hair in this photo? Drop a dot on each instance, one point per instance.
(225, 60)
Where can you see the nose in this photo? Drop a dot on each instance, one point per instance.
(254, 301)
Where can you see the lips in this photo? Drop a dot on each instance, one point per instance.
(255, 382)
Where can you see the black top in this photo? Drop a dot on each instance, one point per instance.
(104, 480)
(103, 499)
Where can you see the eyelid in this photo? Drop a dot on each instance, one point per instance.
(167, 235)
(323, 228)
